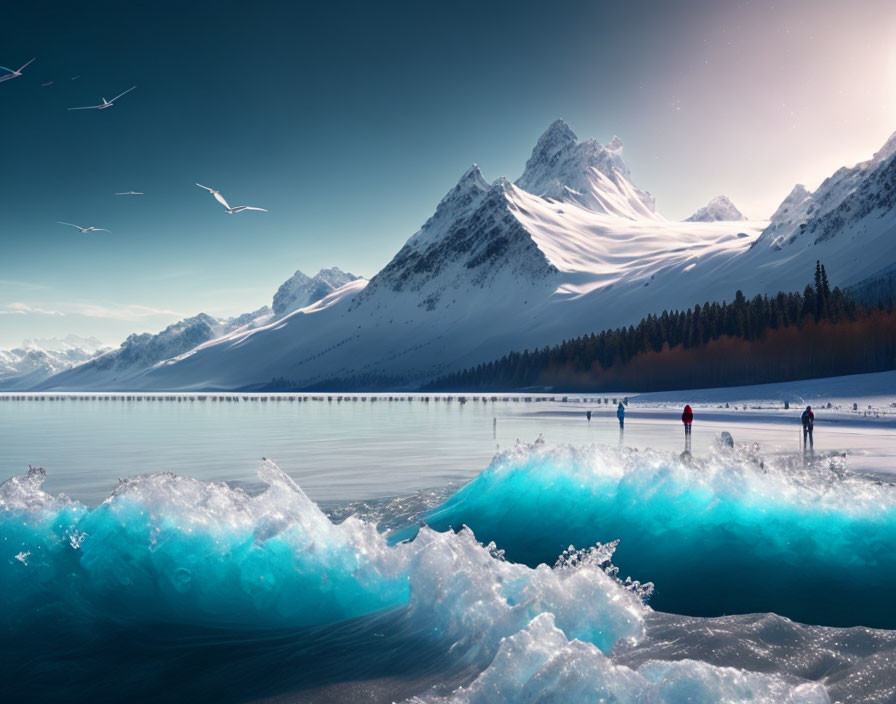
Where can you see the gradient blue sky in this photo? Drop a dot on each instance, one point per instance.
(350, 121)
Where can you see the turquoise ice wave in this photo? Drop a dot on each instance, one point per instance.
(175, 549)
(174, 588)
(731, 533)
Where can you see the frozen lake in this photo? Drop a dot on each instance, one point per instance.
(357, 448)
(250, 595)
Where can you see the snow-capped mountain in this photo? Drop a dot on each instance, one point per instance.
(585, 173)
(572, 247)
(36, 360)
(802, 214)
(848, 223)
(300, 290)
(719, 208)
(66, 344)
(140, 352)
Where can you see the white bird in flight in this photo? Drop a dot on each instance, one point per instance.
(12, 74)
(230, 211)
(84, 229)
(106, 103)
(130, 193)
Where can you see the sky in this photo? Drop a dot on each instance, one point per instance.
(350, 121)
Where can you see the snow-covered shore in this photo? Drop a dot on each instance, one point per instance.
(869, 397)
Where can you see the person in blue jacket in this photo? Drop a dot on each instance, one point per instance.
(620, 414)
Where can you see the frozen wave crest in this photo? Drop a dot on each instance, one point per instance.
(188, 551)
(257, 594)
(539, 664)
(731, 533)
(181, 550)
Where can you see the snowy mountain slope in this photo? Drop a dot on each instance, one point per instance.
(300, 290)
(788, 225)
(140, 352)
(849, 224)
(26, 366)
(719, 208)
(572, 247)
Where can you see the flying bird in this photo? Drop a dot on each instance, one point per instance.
(130, 193)
(106, 103)
(230, 211)
(48, 83)
(83, 229)
(10, 74)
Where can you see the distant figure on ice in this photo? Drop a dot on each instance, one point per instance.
(588, 415)
(620, 414)
(687, 417)
(808, 420)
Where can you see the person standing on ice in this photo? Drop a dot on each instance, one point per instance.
(620, 414)
(687, 417)
(808, 420)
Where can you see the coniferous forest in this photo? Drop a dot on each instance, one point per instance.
(816, 333)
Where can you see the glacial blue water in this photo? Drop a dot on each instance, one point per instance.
(156, 556)
(733, 531)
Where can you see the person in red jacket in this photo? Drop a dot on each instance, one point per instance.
(687, 417)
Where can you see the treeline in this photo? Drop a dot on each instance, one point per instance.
(789, 336)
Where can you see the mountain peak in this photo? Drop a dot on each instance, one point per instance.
(719, 208)
(557, 139)
(794, 201)
(335, 277)
(301, 290)
(585, 173)
(469, 191)
(558, 132)
(886, 151)
(472, 174)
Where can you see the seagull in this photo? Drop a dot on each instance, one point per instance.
(10, 74)
(48, 83)
(130, 193)
(84, 229)
(106, 103)
(230, 211)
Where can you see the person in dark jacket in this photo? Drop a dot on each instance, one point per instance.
(687, 417)
(620, 414)
(808, 420)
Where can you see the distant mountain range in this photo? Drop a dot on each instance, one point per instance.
(571, 246)
(39, 359)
